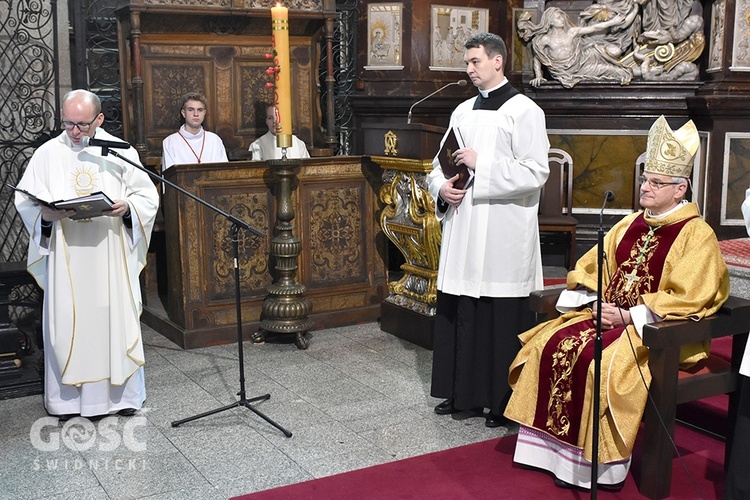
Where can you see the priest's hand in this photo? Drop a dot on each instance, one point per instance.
(466, 156)
(120, 208)
(449, 194)
(52, 215)
(612, 316)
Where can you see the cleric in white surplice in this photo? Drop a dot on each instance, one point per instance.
(89, 269)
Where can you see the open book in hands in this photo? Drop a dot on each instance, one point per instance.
(86, 207)
(454, 142)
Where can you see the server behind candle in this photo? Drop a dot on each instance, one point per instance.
(282, 92)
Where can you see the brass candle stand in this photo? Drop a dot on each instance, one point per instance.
(285, 308)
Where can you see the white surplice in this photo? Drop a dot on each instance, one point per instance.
(185, 148)
(264, 148)
(490, 245)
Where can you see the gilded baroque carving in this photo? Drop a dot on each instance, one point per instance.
(390, 141)
(408, 220)
(336, 234)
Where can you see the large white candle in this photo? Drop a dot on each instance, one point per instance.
(283, 88)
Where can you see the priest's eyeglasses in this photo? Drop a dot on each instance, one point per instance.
(654, 183)
(83, 127)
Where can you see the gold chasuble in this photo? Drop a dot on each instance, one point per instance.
(672, 265)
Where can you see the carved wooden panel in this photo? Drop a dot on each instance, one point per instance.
(167, 81)
(252, 207)
(336, 234)
(342, 263)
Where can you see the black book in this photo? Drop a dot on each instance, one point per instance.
(454, 142)
(86, 207)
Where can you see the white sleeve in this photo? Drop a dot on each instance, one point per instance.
(641, 315)
(256, 150)
(166, 156)
(573, 299)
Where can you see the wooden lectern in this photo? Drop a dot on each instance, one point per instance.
(341, 264)
(405, 152)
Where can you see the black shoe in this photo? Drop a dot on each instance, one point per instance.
(66, 417)
(493, 420)
(127, 412)
(446, 407)
(611, 487)
(562, 484)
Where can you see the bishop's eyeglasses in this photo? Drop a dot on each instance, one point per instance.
(654, 183)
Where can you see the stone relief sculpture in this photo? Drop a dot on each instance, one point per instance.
(562, 48)
(617, 41)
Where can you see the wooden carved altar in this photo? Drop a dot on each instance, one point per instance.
(218, 48)
(341, 264)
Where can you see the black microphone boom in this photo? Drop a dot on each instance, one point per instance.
(460, 83)
(609, 196)
(87, 141)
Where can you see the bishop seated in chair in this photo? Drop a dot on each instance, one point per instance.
(662, 263)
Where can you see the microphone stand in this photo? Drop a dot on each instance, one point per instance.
(460, 83)
(234, 231)
(608, 196)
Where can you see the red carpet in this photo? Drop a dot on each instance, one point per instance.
(736, 252)
(554, 281)
(486, 470)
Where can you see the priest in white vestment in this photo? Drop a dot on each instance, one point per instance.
(89, 268)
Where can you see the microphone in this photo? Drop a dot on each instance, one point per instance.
(609, 197)
(87, 141)
(460, 83)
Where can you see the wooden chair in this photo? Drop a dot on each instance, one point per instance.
(671, 386)
(556, 204)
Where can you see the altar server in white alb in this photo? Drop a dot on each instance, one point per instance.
(265, 148)
(89, 268)
(490, 259)
(192, 143)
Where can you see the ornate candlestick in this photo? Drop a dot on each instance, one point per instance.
(285, 308)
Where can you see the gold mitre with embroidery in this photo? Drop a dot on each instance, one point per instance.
(671, 153)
